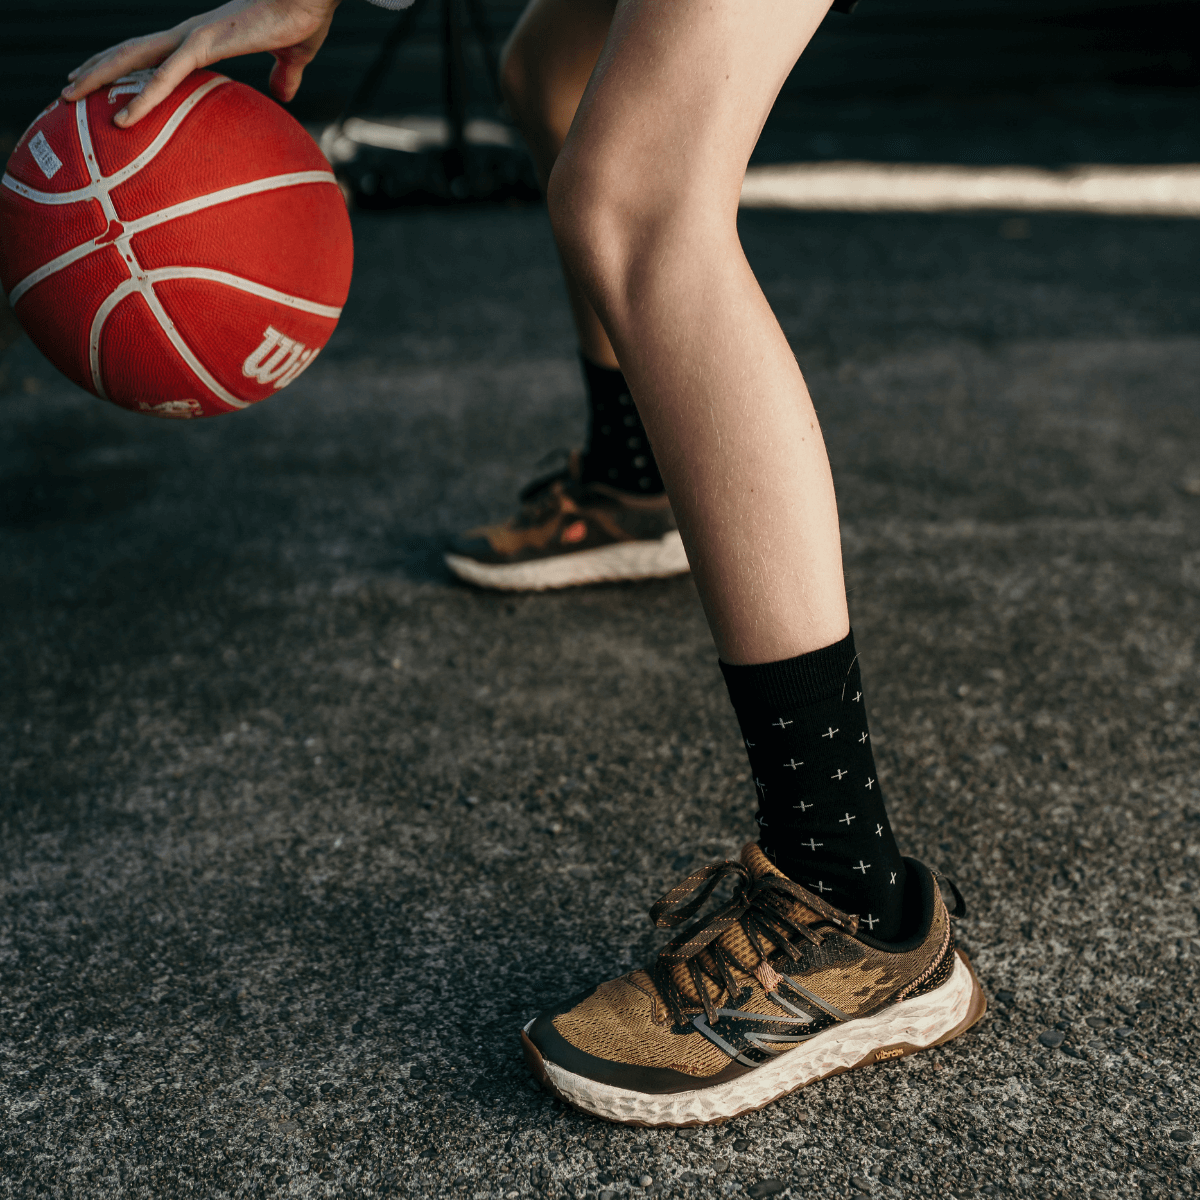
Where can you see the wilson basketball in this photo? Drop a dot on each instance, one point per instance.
(192, 265)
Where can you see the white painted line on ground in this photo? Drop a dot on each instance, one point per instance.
(1151, 191)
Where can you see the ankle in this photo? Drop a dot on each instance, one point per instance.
(821, 811)
(618, 453)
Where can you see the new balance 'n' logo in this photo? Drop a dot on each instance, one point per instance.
(277, 360)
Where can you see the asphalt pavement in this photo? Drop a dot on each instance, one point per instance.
(296, 831)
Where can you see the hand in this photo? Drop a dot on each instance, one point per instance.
(291, 30)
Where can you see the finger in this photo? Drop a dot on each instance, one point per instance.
(129, 56)
(287, 72)
(285, 79)
(87, 64)
(290, 63)
(164, 81)
(120, 60)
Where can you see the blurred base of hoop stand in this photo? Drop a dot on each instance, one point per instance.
(392, 162)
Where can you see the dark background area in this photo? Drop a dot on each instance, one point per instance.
(904, 80)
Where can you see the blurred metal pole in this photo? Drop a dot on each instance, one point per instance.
(454, 79)
(483, 31)
(414, 161)
(369, 84)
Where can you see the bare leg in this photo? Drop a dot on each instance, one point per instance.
(546, 65)
(605, 516)
(644, 203)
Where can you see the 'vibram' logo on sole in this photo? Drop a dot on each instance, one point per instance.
(883, 1055)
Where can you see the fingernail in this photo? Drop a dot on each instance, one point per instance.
(121, 117)
(68, 89)
(72, 74)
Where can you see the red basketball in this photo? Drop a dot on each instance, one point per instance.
(189, 266)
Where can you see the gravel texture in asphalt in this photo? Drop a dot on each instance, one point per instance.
(297, 832)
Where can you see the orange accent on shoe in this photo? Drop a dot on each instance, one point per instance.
(575, 532)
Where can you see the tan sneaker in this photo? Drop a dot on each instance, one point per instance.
(568, 533)
(775, 991)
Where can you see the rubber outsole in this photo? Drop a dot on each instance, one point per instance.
(620, 563)
(902, 1029)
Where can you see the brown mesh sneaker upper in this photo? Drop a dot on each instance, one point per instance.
(772, 968)
(561, 515)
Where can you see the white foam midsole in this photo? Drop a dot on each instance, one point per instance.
(644, 559)
(918, 1022)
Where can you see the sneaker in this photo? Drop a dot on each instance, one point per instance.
(568, 533)
(775, 991)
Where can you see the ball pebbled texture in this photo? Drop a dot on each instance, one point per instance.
(192, 265)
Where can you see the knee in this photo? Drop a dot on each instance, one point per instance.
(613, 231)
(585, 201)
(629, 235)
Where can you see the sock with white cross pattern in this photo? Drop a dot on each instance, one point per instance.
(821, 815)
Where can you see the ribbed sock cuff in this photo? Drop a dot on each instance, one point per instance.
(792, 683)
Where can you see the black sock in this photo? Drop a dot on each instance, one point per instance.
(618, 452)
(821, 813)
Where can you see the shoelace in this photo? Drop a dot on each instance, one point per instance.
(759, 906)
(544, 496)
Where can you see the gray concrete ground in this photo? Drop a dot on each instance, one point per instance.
(297, 832)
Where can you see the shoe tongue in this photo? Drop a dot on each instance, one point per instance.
(759, 865)
(735, 941)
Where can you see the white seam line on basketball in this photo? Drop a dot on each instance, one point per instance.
(108, 182)
(164, 134)
(225, 195)
(22, 189)
(136, 276)
(89, 156)
(141, 280)
(44, 113)
(160, 274)
(142, 283)
(129, 262)
(107, 305)
(167, 214)
(185, 351)
(51, 268)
